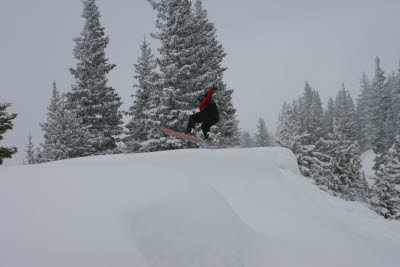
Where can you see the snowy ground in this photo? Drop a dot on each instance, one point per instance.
(367, 161)
(232, 207)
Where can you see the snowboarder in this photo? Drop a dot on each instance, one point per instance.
(208, 114)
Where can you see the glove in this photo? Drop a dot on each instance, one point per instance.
(200, 98)
(215, 88)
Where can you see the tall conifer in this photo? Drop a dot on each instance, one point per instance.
(5, 125)
(91, 99)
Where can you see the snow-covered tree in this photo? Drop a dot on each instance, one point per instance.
(5, 125)
(31, 153)
(144, 122)
(385, 195)
(345, 115)
(306, 109)
(289, 125)
(311, 113)
(209, 55)
(350, 183)
(392, 126)
(364, 114)
(190, 63)
(229, 124)
(290, 136)
(380, 108)
(64, 134)
(317, 116)
(262, 137)
(246, 140)
(324, 175)
(329, 116)
(95, 103)
(178, 65)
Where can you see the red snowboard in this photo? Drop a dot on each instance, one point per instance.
(192, 139)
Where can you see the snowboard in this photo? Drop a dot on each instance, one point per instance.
(192, 139)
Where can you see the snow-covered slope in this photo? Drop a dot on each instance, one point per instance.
(367, 162)
(233, 207)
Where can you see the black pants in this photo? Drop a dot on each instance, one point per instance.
(204, 118)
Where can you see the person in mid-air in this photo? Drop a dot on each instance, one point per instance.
(208, 114)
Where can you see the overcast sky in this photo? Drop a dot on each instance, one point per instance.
(272, 48)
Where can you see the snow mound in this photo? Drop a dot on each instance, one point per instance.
(231, 207)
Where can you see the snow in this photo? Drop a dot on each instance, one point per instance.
(231, 207)
(367, 162)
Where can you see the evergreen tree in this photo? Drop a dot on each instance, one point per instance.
(384, 196)
(31, 152)
(324, 176)
(209, 53)
(5, 125)
(247, 140)
(95, 103)
(350, 183)
(209, 56)
(317, 116)
(328, 119)
(380, 108)
(396, 104)
(311, 113)
(289, 125)
(291, 137)
(143, 123)
(392, 128)
(190, 63)
(63, 133)
(345, 115)
(306, 104)
(262, 137)
(364, 114)
(178, 65)
(229, 125)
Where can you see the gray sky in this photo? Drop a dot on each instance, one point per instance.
(272, 48)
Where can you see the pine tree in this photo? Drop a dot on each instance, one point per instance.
(380, 111)
(178, 65)
(63, 133)
(190, 64)
(209, 55)
(291, 137)
(311, 113)
(31, 152)
(317, 117)
(364, 114)
(91, 99)
(246, 140)
(306, 104)
(229, 125)
(5, 125)
(393, 96)
(350, 184)
(384, 196)
(328, 119)
(324, 176)
(143, 123)
(289, 125)
(396, 104)
(262, 137)
(345, 115)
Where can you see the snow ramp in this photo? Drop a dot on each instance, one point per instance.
(232, 207)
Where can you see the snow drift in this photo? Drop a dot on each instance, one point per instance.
(232, 207)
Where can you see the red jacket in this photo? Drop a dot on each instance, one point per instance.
(206, 98)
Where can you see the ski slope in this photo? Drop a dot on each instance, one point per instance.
(184, 208)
